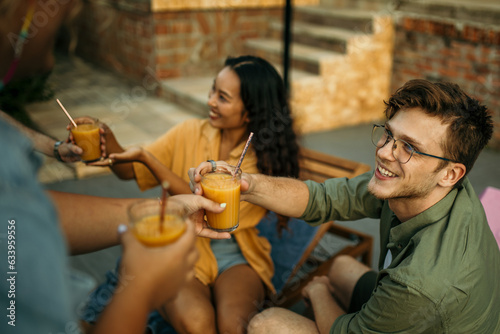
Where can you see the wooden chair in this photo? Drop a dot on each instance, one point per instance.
(293, 248)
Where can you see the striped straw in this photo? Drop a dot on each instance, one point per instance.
(243, 153)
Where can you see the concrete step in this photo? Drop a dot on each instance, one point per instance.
(373, 5)
(357, 20)
(192, 93)
(303, 57)
(484, 12)
(320, 36)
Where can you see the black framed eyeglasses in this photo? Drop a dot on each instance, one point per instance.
(401, 150)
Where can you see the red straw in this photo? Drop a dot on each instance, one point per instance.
(243, 153)
(67, 114)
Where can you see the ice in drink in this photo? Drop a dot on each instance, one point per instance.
(222, 187)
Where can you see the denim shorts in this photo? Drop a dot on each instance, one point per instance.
(227, 253)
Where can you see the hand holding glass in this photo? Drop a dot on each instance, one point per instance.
(88, 137)
(223, 186)
(144, 218)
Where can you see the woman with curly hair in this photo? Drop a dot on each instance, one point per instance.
(234, 275)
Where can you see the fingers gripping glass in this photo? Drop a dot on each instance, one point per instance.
(401, 150)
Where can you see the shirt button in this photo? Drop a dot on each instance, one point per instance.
(400, 246)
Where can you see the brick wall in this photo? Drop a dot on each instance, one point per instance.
(459, 51)
(137, 42)
(196, 42)
(118, 38)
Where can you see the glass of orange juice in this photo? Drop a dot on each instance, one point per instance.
(145, 224)
(223, 186)
(87, 136)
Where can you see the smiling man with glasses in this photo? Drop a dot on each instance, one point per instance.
(439, 264)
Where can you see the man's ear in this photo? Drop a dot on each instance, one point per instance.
(452, 174)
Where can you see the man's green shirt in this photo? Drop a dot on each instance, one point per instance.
(445, 271)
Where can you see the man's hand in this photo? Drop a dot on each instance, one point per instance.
(157, 273)
(318, 287)
(69, 152)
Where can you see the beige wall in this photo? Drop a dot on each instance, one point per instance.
(164, 5)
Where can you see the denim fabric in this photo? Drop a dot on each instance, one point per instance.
(227, 253)
(43, 302)
(287, 248)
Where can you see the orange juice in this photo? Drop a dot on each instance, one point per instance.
(221, 187)
(147, 230)
(144, 218)
(88, 138)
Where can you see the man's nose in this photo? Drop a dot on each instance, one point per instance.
(385, 152)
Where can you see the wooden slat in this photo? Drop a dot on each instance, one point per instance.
(328, 166)
(324, 171)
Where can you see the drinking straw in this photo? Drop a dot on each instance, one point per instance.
(163, 203)
(243, 153)
(67, 114)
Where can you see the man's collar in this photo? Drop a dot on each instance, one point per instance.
(403, 232)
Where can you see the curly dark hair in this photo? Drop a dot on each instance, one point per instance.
(264, 97)
(470, 124)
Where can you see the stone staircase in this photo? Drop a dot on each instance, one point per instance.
(340, 67)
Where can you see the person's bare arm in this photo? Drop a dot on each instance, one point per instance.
(45, 144)
(124, 171)
(326, 309)
(89, 223)
(162, 173)
(285, 196)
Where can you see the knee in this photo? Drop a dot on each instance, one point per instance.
(234, 320)
(183, 321)
(265, 322)
(231, 325)
(201, 325)
(340, 264)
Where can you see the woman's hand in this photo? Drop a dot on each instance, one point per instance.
(195, 175)
(195, 207)
(132, 154)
